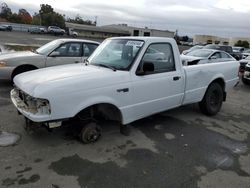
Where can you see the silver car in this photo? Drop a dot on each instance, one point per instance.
(57, 52)
(205, 56)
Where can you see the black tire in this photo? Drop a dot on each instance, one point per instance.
(245, 81)
(21, 70)
(90, 133)
(212, 101)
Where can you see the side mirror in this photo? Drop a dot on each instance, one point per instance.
(55, 54)
(213, 57)
(147, 67)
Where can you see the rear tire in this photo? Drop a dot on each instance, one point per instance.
(212, 101)
(90, 133)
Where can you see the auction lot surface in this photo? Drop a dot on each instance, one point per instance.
(177, 148)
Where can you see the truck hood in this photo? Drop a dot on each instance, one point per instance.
(72, 77)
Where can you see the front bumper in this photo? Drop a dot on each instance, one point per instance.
(24, 110)
(6, 72)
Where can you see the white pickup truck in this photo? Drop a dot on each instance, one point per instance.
(125, 79)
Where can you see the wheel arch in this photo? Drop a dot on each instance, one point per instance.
(220, 80)
(108, 109)
(23, 67)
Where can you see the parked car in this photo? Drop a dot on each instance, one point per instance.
(72, 32)
(57, 52)
(56, 30)
(39, 30)
(196, 47)
(205, 56)
(238, 56)
(246, 53)
(123, 88)
(246, 75)
(243, 63)
(6, 28)
(238, 49)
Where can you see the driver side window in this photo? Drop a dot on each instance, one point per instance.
(160, 56)
(69, 50)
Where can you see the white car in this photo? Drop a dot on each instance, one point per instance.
(56, 30)
(196, 47)
(57, 52)
(205, 56)
(123, 89)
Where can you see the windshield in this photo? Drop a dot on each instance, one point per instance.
(247, 51)
(47, 48)
(248, 58)
(195, 48)
(199, 53)
(116, 53)
(211, 46)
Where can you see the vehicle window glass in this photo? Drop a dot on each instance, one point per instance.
(217, 55)
(47, 48)
(88, 49)
(69, 50)
(224, 55)
(162, 57)
(200, 53)
(118, 53)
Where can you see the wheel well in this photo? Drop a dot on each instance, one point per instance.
(223, 86)
(102, 110)
(22, 68)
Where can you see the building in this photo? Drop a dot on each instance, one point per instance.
(137, 31)
(98, 32)
(210, 39)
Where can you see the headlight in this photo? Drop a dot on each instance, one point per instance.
(43, 106)
(2, 64)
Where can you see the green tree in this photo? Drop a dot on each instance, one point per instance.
(36, 19)
(5, 11)
(50, 17)
(243, 43)
(78, 20)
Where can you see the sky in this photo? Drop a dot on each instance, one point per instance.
(225, 18)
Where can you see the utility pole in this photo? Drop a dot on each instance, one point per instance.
(96, 20)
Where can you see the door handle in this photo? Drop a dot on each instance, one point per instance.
(175, 78)
(76, 61)
(123, 90)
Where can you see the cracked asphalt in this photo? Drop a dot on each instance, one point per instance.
(178, 148)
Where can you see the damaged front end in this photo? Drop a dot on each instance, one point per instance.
(37, 111)
(29, 104)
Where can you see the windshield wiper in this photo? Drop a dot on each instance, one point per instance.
(106, 66)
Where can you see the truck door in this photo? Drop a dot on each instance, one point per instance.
(67, 53)
(160, 88)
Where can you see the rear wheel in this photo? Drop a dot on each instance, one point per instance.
(90, 133)
(212, 101)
